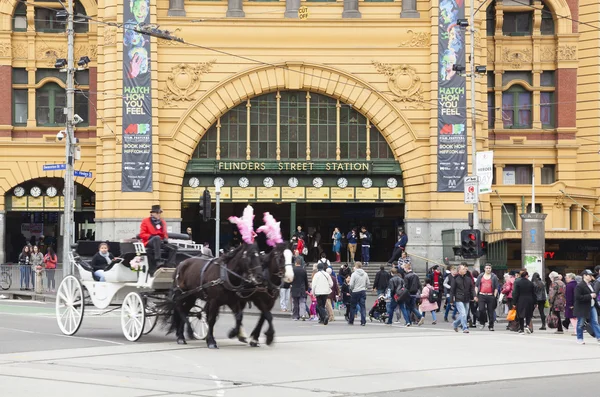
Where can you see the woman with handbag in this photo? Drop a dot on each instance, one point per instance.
(540, 297)
(557, 299)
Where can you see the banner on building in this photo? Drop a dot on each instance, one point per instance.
(452, 100)
(137, 100)
(485, 171)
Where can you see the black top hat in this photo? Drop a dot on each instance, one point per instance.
(156, 208)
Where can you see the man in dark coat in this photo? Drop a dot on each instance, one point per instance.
(461, 294)
(586, 303)
(524, 300)
(381, 281)
(299, 290)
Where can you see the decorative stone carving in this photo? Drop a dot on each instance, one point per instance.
(5, 49)
(110, 36)
(19, 51)
(491, 54)
(558, 202)
(516, 58)
(90, 51)
(417, 39)
(50, 54)
(184, 81)
(403, 81)
(566, 53)
(548, 54)
(477, 40)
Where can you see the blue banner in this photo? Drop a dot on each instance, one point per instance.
(137, 100)
(452, 99)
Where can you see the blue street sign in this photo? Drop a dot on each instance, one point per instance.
(83, 174)
(54, 167)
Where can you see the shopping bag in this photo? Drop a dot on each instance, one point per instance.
(512, 315)
(552, 321)
(547, 304)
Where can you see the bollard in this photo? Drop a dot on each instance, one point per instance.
(39, 288)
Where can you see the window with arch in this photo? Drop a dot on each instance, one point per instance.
(334, 130)
(20, 18)
(48, 21)
(519, 20)
(516, 107)
(50, 102)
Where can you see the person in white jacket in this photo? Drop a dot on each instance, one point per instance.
(321, 288)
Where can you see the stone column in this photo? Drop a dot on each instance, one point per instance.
(291, 8)
(409, 9)
(235, 9)
(351, 9)
(176, 8)
(2, 236)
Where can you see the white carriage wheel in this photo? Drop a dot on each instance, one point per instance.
(70, 305)
(150, 324)
(133, 316)
(151, 316)
(199, 325)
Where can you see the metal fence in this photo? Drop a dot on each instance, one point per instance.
(23, 278)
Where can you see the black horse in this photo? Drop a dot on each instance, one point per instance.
(219, 281)
(277, 266)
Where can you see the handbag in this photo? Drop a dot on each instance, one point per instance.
(552, 321)
(512, 315)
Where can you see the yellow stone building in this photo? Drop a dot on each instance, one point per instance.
(330, 119)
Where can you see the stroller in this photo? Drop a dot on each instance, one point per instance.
(379, 310)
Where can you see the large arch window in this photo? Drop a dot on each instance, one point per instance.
(47, 21)
(516, 107)
(310, 126)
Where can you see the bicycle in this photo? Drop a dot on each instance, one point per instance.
(5, 279)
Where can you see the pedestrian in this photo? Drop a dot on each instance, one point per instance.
(24, 267)
(524, 300)
(557, 299)
(437, 282)
(450, 274)
(332, 298)
(37, 262)
(507, 290)
(324, 261)
(586, 306)
(541, 297)
(413, 284)
(50, 261)
(359, 283)
(473, 306)
(365, 243)
(352, 238)
(298, 256)
(404, 260)
(429, 300)
(486, 290)
(382, 279)
(395, 284)
(570, 319)
(347, 297)
(299, 290)
(321, 287)
(462, 293)
(313, 305)
(336, 236)
(399, 247)
(284, 296)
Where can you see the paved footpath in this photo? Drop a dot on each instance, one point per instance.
(306, 360)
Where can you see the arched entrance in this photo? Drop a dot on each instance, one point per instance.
(309, 159)
(34, 209)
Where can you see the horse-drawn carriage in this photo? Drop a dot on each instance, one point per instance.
(128, 284)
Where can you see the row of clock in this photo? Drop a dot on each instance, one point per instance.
(36, 191)
(293, 182)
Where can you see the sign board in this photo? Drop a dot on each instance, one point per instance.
(471, 196)
(272, 193)
(303, 13)
(54, 167)
(83, 174)
(485, 171)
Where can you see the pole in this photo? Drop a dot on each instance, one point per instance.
(476, 265)
(217, 220)
(533, 190)
(68, 217)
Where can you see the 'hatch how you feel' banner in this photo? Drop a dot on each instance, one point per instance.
(452, 100)
(137, 100)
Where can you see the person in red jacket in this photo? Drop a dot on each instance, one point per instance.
(153, 232)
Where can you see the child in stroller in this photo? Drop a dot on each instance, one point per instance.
(379, 310)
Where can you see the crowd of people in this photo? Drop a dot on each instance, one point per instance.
(32, 262)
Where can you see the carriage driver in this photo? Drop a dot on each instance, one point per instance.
(153, 232)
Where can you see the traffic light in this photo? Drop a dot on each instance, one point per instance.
(484, 248)
(205, 205)
(470, 243)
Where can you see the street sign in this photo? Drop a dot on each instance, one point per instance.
(303, 13)
(54, 167)
(83, 174)
(471, 190)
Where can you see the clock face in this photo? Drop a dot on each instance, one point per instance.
(194, 182)
(51, 191)
(268, 182)
(35, 191)
(392, 183)
(342, 182)
(317, 182)
(244, 182)
(367, 182)
(219, 181)
(293, 182)
(19, 191)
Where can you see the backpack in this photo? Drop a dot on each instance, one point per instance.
(433, 295)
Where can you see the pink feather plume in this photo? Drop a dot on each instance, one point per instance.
(271, 229)
(245, 224)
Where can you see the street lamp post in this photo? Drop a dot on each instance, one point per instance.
(477, 264)
(217, 219)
